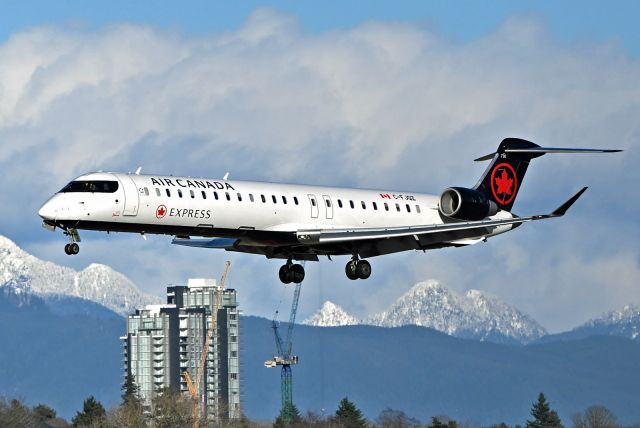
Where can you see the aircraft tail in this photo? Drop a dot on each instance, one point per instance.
(503, 178)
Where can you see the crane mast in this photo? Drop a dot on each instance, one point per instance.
(285, 359)
(194, 387)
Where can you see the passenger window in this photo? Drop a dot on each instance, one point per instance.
(264, 200)
(193, 195)
(228, 196)
(339, 203)
(375, 206)
(251, 197)
(215, 195)
(146, 191)
(204, 195)
(239, 197)
(284, 200)
(408, 208)
(398, 207)
(179, 193)
(418, 209)
(328, 203)
(313, 202)
(364, 206)
(274, 199)
(168, 192)
(351, 204)
(386, 206)
(158, 192)
(295, 200)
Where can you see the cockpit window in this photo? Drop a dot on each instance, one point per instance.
(98, 186)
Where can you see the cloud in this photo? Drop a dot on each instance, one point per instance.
(378, 105)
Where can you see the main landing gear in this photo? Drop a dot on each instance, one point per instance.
(290, 272)
(358, 269)
(72, 248)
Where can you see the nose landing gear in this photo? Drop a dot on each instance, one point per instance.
(290, 272)
(72, 248)
(358, 269)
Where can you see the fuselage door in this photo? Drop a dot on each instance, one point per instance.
(131, 197)
(313, 201)
(328, 206)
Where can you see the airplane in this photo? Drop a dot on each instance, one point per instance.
(300, 222)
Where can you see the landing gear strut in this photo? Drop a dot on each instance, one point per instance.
(358, 269)
(290, 272)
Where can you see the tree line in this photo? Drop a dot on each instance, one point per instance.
(170, 409)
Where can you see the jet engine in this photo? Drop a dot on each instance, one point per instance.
(466, 204)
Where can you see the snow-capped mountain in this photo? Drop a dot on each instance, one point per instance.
(24, 273)
(623, 322)
(331, 315)
(472, 315)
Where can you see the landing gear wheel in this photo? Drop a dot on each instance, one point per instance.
(296, 273)
(66, 249)
(351, 270)
(285, 274)
(363, 269)
(74, 248)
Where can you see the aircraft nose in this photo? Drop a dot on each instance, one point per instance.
(47, 211)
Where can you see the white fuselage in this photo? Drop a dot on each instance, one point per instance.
(259, 214)
(220, 204)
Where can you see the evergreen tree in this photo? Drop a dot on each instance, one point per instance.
(92, 415)
(287, 416)
(130, 390)
(437, 423)
(348, 415)
(543, 416)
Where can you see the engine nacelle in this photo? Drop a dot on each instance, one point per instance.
(466, 204)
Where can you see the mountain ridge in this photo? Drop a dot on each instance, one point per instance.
(97, 283)
(472, 315)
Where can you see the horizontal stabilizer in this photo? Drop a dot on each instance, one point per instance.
(560, 150)
(206, 243)
(539, 151)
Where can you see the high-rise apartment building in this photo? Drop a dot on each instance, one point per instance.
(164, 341)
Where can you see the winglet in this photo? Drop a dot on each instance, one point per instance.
(562, 209)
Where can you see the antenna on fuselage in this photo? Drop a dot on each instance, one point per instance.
(225, 176)
(138, 170)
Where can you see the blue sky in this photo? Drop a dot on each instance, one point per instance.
(290, 92)
(570, 21)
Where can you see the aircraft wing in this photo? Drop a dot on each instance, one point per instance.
(332, 236)
(308, 244)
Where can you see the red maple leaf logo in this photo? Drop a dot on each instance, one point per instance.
(161, 211)
(504, 184)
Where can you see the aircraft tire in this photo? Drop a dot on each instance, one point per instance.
(296, 273)
(350, 270)
(285, 274)
(66, 249)
(74, 248)
(363, 269)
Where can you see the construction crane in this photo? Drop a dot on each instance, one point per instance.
(285, 359)
(194, 387)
